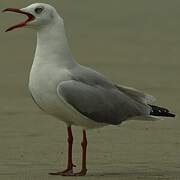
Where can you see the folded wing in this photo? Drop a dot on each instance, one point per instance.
(107, 105)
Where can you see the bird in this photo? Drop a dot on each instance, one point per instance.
(73, 93)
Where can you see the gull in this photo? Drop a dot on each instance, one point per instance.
(74, 93)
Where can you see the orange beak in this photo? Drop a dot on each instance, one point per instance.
(22, 24)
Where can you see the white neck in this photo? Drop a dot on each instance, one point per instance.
(52, 46)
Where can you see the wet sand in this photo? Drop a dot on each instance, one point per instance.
(133, 43)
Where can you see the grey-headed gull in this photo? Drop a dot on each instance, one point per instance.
(73, 93)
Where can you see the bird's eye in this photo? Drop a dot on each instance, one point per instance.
(38, 10)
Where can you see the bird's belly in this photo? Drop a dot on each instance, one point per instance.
(52, 104)
(48, 100)
(44, 92)
(43, 87)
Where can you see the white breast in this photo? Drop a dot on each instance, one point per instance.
(43, 83)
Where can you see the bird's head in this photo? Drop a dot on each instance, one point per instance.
(38, 15)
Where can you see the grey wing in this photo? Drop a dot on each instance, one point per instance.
(136, 94)
(100, 104)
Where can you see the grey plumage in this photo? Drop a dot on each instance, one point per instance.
(95, 97)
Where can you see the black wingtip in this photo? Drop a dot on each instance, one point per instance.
(160, 111)
(170, 115)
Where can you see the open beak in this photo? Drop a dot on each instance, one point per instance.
(22, 24)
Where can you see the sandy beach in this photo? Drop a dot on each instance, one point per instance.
(134, 43)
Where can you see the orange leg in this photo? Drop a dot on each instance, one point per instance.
(70, 165)
(84, 148)
(69, 170)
